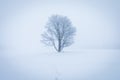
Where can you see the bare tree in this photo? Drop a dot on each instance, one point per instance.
(59, 32)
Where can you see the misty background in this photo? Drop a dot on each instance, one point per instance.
(96, 21)
(23, 21)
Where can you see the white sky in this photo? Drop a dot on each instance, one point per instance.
(23, 21)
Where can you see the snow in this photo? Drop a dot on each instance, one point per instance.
(68, 65)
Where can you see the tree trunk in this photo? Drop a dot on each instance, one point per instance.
(59, 45)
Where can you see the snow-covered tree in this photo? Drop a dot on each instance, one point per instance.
(59, 32)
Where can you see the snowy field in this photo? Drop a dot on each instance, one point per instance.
(68, 65)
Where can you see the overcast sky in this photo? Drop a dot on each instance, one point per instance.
(22, 22)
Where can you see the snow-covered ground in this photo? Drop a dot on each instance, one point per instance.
(68, 65)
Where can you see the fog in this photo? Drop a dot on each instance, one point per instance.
(96, 21)
(23, 21)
